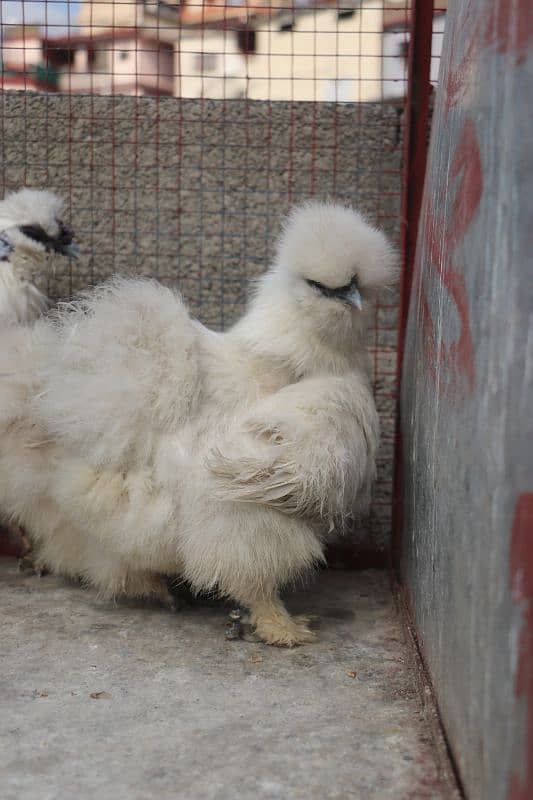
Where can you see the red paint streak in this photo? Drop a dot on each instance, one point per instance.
(454, 362)
(467, 162)
(507, 27)
(457, 79)
(521, 787)
(510, 27)
(458, 358)
(459, 70)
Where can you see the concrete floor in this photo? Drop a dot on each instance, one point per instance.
(123, 701)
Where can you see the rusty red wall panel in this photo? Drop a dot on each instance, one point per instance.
(467, 389)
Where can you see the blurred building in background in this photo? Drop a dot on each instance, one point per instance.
(23, 64)
(352, 50)
(116, 61)
(395, 43)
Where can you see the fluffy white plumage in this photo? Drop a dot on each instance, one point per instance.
(135, 443)
(30, 228)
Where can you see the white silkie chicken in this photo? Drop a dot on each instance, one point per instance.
(30, 229)
(142, 445)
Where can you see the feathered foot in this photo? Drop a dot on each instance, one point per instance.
(274, 625)
(28, 566)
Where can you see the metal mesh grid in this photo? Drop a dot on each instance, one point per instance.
(181, 134)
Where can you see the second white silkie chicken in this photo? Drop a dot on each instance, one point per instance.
(31, 229)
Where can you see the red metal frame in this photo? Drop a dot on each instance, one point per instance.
(416, 129)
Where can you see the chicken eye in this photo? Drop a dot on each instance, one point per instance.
(316, 285)
(324, 290)
(35, 232)
(339, 293)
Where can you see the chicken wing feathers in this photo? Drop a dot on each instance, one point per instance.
(124, 370)
(306, 450)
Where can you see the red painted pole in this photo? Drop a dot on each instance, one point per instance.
(416, 134)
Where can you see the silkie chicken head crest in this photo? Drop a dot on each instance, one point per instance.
(330, 254)
(32, 220)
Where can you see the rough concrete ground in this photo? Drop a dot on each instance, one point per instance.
(125, 701)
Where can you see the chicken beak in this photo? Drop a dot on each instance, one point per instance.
(72, 250)
(353, 298)
(6, 248)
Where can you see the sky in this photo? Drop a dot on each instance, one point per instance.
(52, 12)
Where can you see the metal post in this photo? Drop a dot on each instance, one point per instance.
(416, 127)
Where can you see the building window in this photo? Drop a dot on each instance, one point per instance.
(59, 57)
(246, 40)
(97, 60)
(345, 13)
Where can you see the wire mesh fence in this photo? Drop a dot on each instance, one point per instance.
(180, 133)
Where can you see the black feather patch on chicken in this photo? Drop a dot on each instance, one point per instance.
(62, 243)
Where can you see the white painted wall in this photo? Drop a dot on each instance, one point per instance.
(395, 42)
